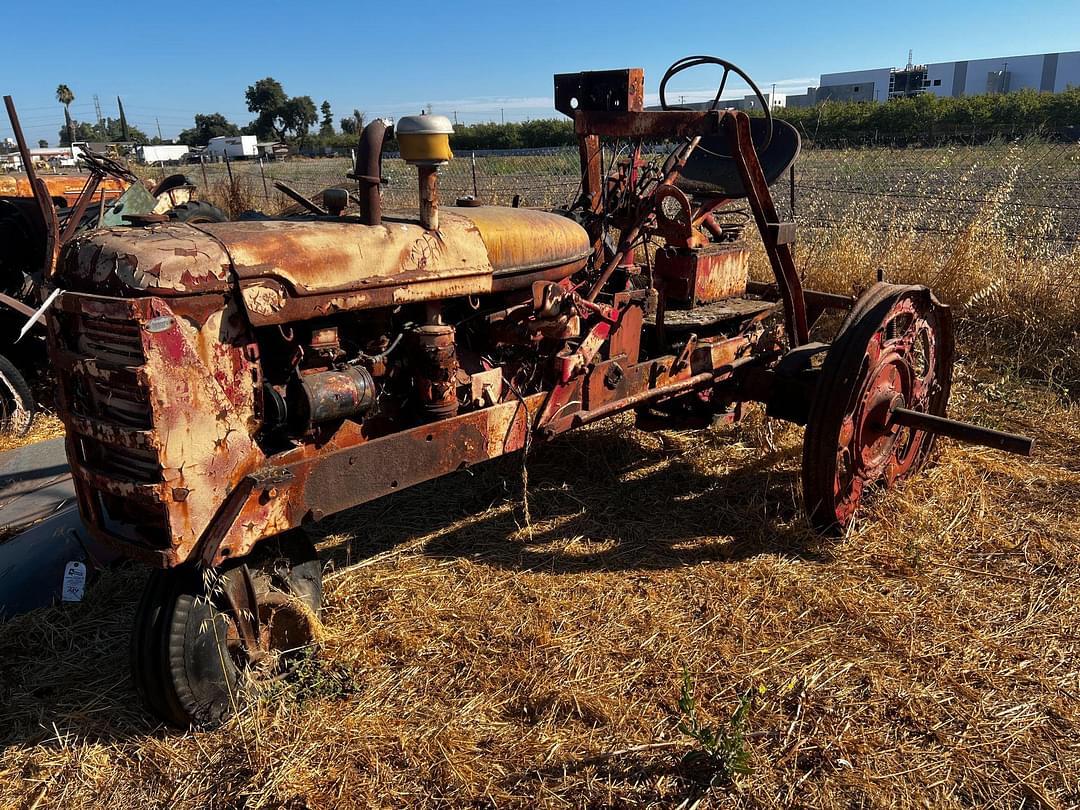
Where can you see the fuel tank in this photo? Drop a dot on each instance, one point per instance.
(289, 270)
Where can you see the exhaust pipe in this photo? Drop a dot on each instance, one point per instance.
(368, 171)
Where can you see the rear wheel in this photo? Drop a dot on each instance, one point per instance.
(894, 350)
(17, 406)
(202, 636)
(196, 212)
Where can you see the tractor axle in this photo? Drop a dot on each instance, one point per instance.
(963, 431)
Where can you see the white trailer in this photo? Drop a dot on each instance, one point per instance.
(165, 153)
(235, 147)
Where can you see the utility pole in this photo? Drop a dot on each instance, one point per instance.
(772, 98)
(502, 115)
(156, 121)
(97, 110)
(455, 118)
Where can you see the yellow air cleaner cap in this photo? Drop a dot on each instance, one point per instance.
(424, 138)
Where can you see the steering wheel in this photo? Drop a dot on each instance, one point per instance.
(688, 62)
(99, 163)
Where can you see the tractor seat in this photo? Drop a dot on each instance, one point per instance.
(710, 172)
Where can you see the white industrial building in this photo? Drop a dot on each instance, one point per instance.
(1045, 72)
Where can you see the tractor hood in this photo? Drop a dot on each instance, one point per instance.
(297, 269)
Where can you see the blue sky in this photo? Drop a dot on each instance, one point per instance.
(169, 60)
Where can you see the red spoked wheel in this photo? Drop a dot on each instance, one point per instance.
(895, 349)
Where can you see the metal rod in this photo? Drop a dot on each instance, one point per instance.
(758, 195)
(296, 196)
(82, 205)
(27, 159)
(768, 289)
(663, 392)
(963, 431)
(791, 177)
(266, 191)
(429, 197)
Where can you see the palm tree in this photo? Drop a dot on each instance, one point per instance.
(65, 97)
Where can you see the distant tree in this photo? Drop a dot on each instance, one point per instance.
(65, 97)
(43, 144)
(207, 127)
(109, 131)
(298, 115)
(327, 127)
(354, 123)
(266, 98)
(277, 113)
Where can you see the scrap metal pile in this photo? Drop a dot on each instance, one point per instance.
(41, 213)
(222, 385)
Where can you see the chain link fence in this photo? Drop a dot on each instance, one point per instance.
(1027, 190)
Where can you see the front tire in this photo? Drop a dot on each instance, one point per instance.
(188, 657)
(196, 212)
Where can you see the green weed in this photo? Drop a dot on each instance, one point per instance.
(721, 753)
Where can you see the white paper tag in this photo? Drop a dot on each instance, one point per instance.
(40, 311)
(74, 582)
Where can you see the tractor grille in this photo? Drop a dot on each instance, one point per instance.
(111, 342)
(106, 381)
(117, 397)
(98, 351)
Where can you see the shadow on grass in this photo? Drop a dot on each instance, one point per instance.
(646, 502)
(658, 775)
(64, 670)
(644, 505)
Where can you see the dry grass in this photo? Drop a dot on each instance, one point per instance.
(930, 658)
(1015, 290)
(46, 425)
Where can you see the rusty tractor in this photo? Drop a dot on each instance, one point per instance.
(105, 193)
(223, 385)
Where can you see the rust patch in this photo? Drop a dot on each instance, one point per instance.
(168, 259)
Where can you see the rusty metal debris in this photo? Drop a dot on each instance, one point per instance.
(226, 384)
(39, 214)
